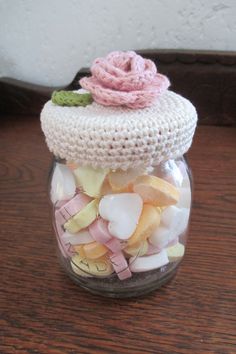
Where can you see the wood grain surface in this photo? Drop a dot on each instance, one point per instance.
(42, 311)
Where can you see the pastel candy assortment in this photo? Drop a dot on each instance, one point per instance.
(119, 223)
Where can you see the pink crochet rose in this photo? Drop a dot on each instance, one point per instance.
(125, 79)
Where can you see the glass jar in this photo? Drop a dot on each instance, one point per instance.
(121, 233)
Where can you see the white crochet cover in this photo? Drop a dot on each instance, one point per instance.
(118, 137)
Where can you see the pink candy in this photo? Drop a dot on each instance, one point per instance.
(120, 265)
(99, 230)
(71, 208)
(125, 78)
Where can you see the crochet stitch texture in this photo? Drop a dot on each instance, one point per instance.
(119, 137)
(70, 98)
(125, 78)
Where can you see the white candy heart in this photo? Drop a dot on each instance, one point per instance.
(143, 264)
(174, 222)
(122, 211)
(63, 183)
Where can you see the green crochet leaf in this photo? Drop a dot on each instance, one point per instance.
(70, 98)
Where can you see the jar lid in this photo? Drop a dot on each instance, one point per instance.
(119, 137)
(133, 121)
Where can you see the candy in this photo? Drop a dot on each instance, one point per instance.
(174, 222)
(72, 207)
(78, 271)
(120, 179)
(185, 173)
(152, 249)
(62, 184)
(175, 252)
(114, 245)
(156, 191)
(149, 220)
(178, 222)
(170, 172)
(90, 180)
(139, 249)
(143, 264)
(185, 198)
(100, 267)
(106, 188)
(99, 230)
(94, 250)
(120, 266)
(64, 246)
(161, 237)
(122, 211)
(79, 238)
(84, 218)
(79, 250)
(72, 165)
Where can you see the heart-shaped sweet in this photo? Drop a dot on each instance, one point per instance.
(62, 184)
(122, 211)
(174, 222)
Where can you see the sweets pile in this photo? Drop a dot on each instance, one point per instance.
(119, 221)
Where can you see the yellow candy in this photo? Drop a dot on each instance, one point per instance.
(107, 189)
(78, 271)
(175, 252)
(120, 180)
(83, 218)
(148, 222)
(156, 191)
(94, 250)
(90, 180)
(71, 226)
(100, 267)
(139, 249)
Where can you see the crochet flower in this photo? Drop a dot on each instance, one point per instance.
(125, 79)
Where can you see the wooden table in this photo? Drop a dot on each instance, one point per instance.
(42, 311)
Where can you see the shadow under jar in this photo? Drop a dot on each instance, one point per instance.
(121, 233)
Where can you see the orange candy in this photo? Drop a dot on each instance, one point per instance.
(156, 191)
(148, 222)
(94, 250)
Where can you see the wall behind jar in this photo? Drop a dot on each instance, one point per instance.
(48, 41)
